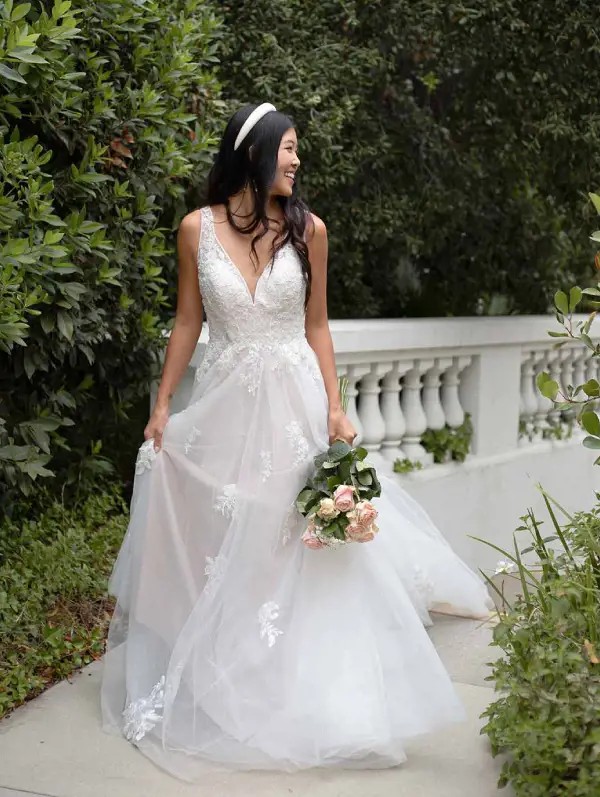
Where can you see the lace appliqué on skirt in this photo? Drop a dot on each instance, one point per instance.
(191, 439)
(266, 614)
(214, 572)
(146, 456)
(424, 585)
(266, 465)
(289, 522)
(141, 715)
(225, 502)
(298, 441)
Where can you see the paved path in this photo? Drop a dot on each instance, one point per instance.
(53, 746)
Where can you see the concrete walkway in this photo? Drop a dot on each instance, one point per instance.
(54, 747)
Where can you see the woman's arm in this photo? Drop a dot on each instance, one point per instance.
(187, 327)
(318, 333)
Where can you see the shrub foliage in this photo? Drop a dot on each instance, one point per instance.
(53, 605)
(104, 110)
(446, 145)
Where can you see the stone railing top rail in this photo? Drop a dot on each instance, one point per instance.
(356, 335)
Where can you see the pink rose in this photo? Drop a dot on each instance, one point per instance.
(310, 539)
(359, 533)
(365, 513)
(344, 497)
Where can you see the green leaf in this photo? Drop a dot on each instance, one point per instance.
(338, 451)
(595, 200)
(591, 442)
(15, 453)
(561, 302)
(11, 74)
(20, 11)
(65, 325)
(549, 389)
(591, 388)
(591, 423)
(360, 453)
(333, 482)
(575, 295)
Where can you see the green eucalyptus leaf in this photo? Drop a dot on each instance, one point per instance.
(338, 451)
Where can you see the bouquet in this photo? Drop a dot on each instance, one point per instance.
(337, 498)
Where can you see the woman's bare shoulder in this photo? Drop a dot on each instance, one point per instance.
(315, 227)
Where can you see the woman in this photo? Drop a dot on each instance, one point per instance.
(231, 640)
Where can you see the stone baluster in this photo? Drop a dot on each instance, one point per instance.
(432, 404)
(592, 373)
(528, 397)
(555, 370)
(453, 409)
(414, 414)
(395, 425)
(540, 417)
(546, 417)
(568, 362)
(354, 374)
(580, 363)
(369, 411)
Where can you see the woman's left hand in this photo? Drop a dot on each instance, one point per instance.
(339, 427)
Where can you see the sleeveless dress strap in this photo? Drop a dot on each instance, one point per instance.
(205, 220)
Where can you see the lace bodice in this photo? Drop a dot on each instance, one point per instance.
(237, 322)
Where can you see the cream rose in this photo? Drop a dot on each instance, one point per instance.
(327, 509)
(343, 497)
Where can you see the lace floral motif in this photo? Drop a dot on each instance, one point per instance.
(251, 372)
(191, 439)
(214, 571)
(226, 501)
(289, 522)
(266, 614)
(141, 715)
(298, 441)
(423, 584)
(146, 456)
(266, 465)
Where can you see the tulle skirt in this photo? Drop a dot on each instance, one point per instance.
(234, 643)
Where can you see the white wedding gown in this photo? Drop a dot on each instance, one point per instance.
(231, 641)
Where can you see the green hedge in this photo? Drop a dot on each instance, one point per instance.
(53, 606)
(107, 116)
(446, 145)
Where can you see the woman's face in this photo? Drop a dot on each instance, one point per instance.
(287, 164)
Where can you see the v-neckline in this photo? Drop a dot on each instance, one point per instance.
(252, 296)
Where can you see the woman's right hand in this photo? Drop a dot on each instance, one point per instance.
(156, 425)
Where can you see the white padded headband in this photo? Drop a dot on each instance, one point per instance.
(256, 115)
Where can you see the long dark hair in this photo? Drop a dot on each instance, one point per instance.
(234, 169)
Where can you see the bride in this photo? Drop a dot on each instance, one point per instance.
(231, 641)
